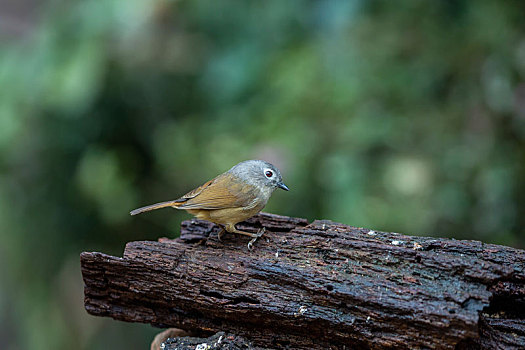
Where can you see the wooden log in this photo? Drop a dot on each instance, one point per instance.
(218, 341)
(320, 285)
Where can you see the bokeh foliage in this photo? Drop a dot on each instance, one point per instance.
(400, 116)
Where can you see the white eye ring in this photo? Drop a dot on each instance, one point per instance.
(268, 173)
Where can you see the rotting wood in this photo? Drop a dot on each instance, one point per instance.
(319, 285)
(218, 341)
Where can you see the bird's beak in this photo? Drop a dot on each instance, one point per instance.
(283, 186)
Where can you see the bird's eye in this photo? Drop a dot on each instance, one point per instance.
(268, 173)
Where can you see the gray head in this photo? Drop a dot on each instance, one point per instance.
(259, 173)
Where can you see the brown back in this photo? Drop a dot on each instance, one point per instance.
(224, 191)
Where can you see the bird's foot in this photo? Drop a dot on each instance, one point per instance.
(201, 242)
(255, 237)
(220, 234)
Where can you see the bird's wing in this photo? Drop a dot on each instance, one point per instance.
(225, 191)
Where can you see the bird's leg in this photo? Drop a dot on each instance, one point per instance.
(221, 233)
(255, 236)
(233, 229)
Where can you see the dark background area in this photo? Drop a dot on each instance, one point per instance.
(397, 116)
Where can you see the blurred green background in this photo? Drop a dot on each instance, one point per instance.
(398, 116)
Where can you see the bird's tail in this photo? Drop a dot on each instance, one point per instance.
(173, 204)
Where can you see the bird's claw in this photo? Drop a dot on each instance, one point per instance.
(220, 234)
(254, 239)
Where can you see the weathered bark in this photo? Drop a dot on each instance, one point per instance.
(319, 285)
(218, 341)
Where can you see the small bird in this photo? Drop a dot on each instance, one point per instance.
(231, 197)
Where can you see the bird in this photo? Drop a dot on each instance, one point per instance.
(231, 197)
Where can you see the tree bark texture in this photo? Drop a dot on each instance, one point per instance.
(218, 341)
(319, 285)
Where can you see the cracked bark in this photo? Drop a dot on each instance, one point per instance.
(319, 285)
